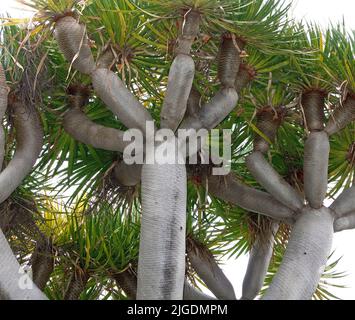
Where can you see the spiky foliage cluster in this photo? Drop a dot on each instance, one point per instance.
(96, 233)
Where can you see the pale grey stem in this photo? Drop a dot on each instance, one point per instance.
(345, 203)
(213, 112)
(113, 92)
(161, 263)
(229, 189)
(14, 284)
(267, 176)
(29, 139)
(212, 275)
(259, 260)
(180, 80)
(346, 222)
(193, 294)
(316, 158)
(305, 257)
(81, 128)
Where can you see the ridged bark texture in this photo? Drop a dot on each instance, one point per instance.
(192, 294)
(76, 286)
(316, 159)
(229, 189)
(113, 92)
(42, 261)
(268, 122)
(266, 175)
(228, 62)
(342, 116)
(244, 76)
(29, 139)
(127, 281)
(305, 257)
(345, 203)
(13, 284)
(313, 103)
(258, 264)
(212, 275)
(81, 128)
(73, 42)
(3, 107)
(161, 264)
(181, 76)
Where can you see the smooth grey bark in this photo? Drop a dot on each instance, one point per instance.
(305, 258)
(229, 189)
(161, 263)
(267, 176)
(181, 76)
(316, 159)
(259, 260)
(192, 294)
(3, 107)
(346, 222)
(15, 285)
(81, 128)
(213, 112)
(345, 203)
(113, 92)
(212, 275)
(29, 139)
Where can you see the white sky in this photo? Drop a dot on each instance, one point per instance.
(319, 11)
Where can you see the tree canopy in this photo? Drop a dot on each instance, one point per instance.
(76, 217)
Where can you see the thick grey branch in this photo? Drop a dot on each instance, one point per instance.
(161, 263)
(343, 115)
(305, 257)
(29, 139)
(181, 76)
(316, 158)
(81, 128)
(212, 275)
(267, 176)
(14, 284)
(213, 112)
(191, 293)
(346, 222)
(259, 261)
(345, 203)
(229, 189)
